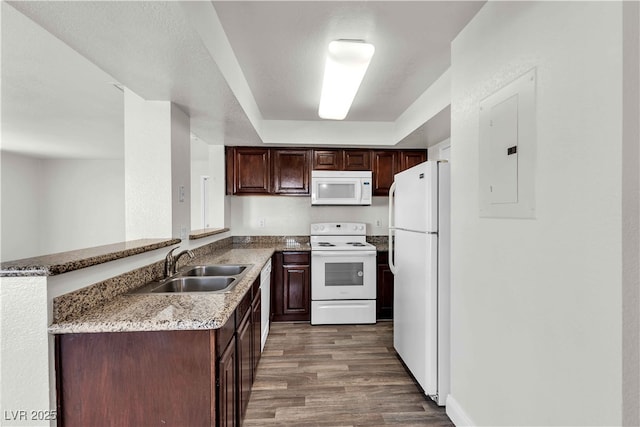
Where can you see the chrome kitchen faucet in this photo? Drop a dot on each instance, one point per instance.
(171, 262)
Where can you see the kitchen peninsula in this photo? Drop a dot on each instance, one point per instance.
(102, 308)
(203, 347)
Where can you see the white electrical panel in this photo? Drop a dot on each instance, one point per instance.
(507, 149)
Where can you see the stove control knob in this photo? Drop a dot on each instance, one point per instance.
(321, 227)
(361, 227)
(355, 227)
(315, 227)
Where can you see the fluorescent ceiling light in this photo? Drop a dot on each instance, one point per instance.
(347, 61)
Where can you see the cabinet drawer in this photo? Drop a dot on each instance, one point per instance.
(295, 258)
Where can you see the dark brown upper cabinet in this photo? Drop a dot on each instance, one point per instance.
(291, 171)
(328, 160)
(357, 160)
(251, 173)
(409, 159)
(385, 166)
(286, 171)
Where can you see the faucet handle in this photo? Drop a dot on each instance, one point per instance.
(169, 262)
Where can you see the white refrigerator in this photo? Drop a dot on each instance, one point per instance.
(419, 248)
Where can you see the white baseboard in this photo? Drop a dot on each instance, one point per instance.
(458, 416)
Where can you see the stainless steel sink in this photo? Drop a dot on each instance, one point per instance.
(218, 278)
(214, 270)
(196, 284)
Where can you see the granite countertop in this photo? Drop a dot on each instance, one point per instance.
(64, 262)
(382, 247)
(148, 312)
(206, 232)
(188, 311)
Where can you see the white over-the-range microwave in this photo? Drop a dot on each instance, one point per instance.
(340, 187)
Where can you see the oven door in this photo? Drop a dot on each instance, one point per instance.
(341, 275)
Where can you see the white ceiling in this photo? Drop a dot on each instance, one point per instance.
(78, 115)
(281, 48)
(246, 72)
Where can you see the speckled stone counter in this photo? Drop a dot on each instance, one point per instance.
(107, 307)
(206, 232)
(147, 312)
(380, 242)
(278, 243)
(63, 262)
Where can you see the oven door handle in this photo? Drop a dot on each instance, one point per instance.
(342, 253)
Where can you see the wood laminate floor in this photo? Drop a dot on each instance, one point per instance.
(345, 375)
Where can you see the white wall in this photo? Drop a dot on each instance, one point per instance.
(147, 154)
(180, 173)
(288, 215)
(82, 205)
(55, 205)
(24, 359)
(631, 217)
(536, 304)
(207, 160)
(22, 189)
(440, 151)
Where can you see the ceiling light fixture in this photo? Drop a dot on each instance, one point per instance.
(347, 61)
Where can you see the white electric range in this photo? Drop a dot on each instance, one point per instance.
(343, 274)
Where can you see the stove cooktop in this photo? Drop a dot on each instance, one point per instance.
(340, 236)
(341, 245)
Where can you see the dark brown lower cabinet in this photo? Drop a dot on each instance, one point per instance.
(256, 325)
(384, 302)
(136, 378)
(245, 365)
(180, 378)
(291, 292)
(226, 397)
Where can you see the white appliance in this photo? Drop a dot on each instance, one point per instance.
(343, 274)
(340, 187)
(419, 249)
(265, 302)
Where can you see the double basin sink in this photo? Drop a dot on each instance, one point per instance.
(201, 278)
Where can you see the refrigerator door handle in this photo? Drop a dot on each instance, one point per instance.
(392, 194)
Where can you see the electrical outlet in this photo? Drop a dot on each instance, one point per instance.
(378, 223)
(181, 193)
(261, 222)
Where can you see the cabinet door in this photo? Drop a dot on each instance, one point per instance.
(384, 168)
(120, 378)
(244, 364)
(357, 160)
(251, 171)
(256, 326)
(329, 160)
(296, 290)
(291, 287)
(227, 398)
(291, 172)
(384, 301)
(411, 158)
